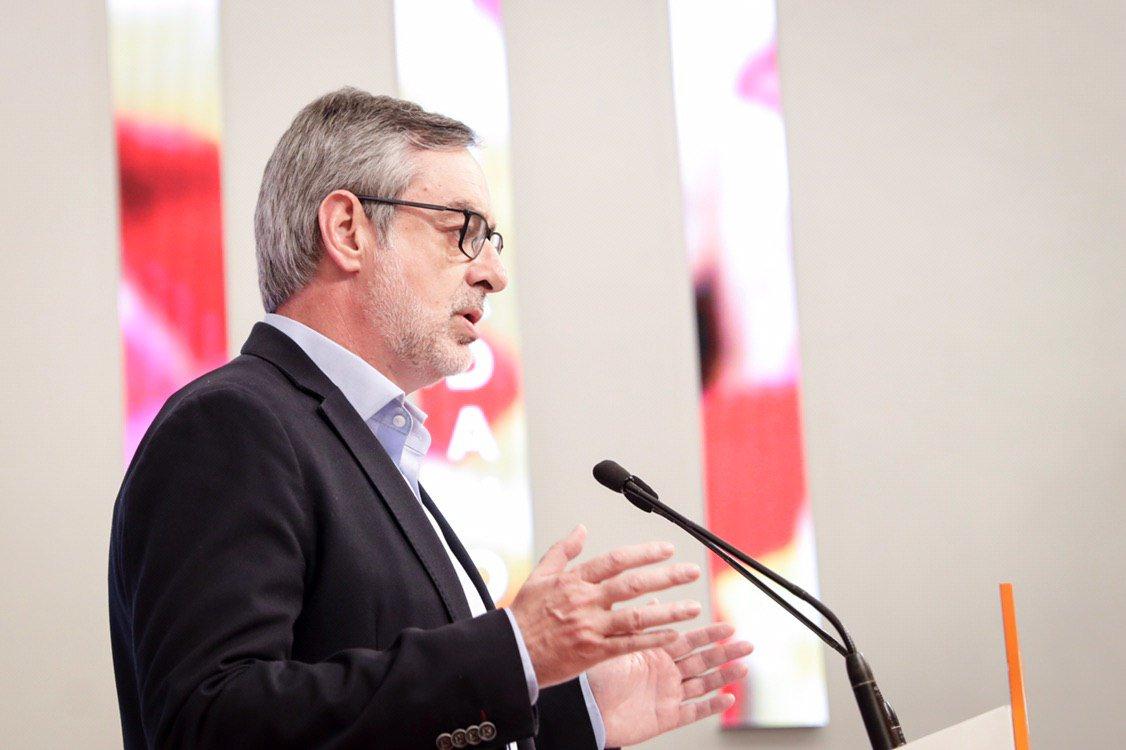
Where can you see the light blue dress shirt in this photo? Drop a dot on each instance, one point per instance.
(398, 426)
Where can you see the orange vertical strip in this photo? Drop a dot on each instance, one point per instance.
(1016, 675)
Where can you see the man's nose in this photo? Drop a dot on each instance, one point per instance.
(487, 269)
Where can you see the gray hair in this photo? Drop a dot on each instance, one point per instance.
(345, 140)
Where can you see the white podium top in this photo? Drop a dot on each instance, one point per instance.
(992, 730)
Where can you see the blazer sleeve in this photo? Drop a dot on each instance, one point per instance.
(564, 722)
(213, 535)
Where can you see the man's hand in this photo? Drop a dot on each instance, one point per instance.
(643, 694)
(566, 618)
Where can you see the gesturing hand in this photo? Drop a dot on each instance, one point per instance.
(565, 615)
(650, 692)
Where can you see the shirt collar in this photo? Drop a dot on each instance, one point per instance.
(366, 388)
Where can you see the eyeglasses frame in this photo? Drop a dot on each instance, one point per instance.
(467, 213)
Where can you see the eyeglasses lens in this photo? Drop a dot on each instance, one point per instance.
(475, 234)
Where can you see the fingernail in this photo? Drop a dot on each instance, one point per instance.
(690, 569)
(694, 607)
(667, 548)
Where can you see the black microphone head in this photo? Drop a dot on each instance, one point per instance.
(611, 475)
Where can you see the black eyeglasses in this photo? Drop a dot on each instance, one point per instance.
(475, 230)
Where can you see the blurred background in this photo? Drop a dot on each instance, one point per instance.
(846, 280)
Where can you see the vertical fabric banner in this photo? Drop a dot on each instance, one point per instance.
(451, 59)
(737, 220)
(171, 302)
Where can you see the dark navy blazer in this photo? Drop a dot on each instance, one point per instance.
(274, 583)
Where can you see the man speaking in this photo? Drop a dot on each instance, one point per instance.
(280, 579)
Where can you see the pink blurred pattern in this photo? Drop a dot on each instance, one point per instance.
(736, 204)
(758, 81)
(492, 9)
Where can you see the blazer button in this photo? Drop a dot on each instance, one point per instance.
(445, 742)
(488, 731)
(459, 738)
(473, 734)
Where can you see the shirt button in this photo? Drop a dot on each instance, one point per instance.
(399, 420)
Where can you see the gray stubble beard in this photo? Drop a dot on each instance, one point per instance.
(407, 330)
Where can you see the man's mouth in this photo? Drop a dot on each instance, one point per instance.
(472, 315)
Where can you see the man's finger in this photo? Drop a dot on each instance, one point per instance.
(690, 712)
(562, 552)
(706, 683)
(701, 661)
(636, 619)
(694, 639)
(624, 558)
(634, 583)
(627, 644)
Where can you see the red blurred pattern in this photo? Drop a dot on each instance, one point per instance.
(173, 309)
(735, 188)
(755, 480)
(495, 397)
(754, 465)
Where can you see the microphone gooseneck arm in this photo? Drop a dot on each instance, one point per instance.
(880, 720)
(725, 551)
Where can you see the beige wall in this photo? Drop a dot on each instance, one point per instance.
(61, 400)
(276, 58)
(958, 188)
(957, 185)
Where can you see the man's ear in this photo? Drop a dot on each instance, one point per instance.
(345, 230)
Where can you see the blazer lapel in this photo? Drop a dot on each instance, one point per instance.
(467, 562)
(397, 495)
(274, 346)
(458, 549)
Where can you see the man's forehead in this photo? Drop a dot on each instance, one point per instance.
(452, 178)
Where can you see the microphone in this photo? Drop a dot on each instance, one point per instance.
(614, 476)
(880, 720)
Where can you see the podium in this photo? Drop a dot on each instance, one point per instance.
(992, 730)
(1003, 728)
